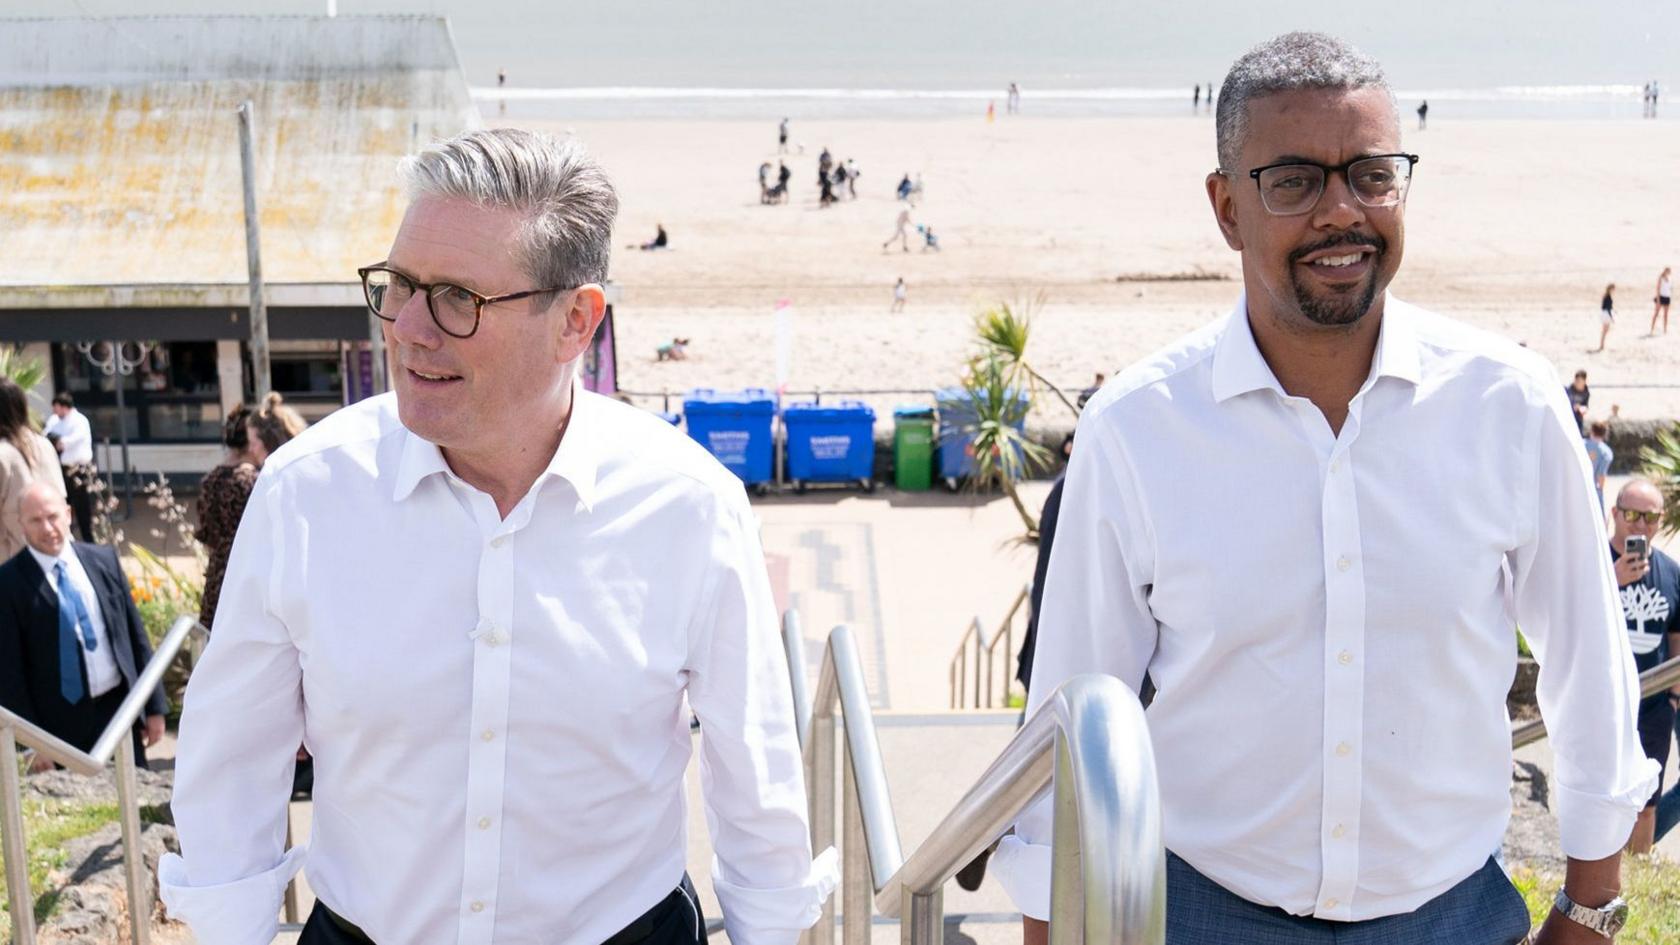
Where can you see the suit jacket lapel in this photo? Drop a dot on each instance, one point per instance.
(116, 622)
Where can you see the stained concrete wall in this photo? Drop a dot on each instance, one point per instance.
(119, 152)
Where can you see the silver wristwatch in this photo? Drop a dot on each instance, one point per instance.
(1606, 920)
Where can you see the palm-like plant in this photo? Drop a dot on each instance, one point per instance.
(1003, 332)
(1662, 465)
(1003, 455)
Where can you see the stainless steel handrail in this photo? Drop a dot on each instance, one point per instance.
(1088, 744)
(985, 656)
(793, 643)
(1658, 677)
(114, 740)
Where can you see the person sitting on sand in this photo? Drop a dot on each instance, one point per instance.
(675, 350)
(659, 241)
(904, 187)
(929, 241)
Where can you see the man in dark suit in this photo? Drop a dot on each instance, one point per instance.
(71, 640)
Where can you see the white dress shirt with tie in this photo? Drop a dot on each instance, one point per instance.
(1331, 619)
(498, 708)
(102, 673)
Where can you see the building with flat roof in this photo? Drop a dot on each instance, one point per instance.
(123, 217)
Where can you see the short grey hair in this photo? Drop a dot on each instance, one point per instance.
(1289, 62)
(565, 197)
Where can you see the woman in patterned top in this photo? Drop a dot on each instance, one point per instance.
(249, 438)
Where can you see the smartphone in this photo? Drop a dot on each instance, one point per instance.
(1637, 545)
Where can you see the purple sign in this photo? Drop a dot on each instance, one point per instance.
(599, 367)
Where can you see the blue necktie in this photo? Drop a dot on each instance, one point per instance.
(72, 614)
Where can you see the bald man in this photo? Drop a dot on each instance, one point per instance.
(71, 640)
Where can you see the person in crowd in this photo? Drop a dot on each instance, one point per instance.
(782, 137)
(901, 231)
(660, 240)
(26, 457)
(901, 294)
(1606, 315)
(487, 602)
(75, 455)
(905, 187)
(1579, 395)
(72, 643)
(222, 495)
(1648, 581)
(1097, 382)
(1600, 455)
(1360, 593)
(852, 172)
(674, 350)
(1664, 296)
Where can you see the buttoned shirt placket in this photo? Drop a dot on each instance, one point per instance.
(1344, 659)
(492, 638)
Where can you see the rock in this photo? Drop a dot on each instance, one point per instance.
(1532, 838)
(155, 787)
(93, 900)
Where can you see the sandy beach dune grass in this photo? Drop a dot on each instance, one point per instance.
(1513, 225)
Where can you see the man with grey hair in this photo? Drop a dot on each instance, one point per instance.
(1315, 525)
(486, 603)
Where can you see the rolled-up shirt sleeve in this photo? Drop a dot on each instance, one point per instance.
(1095, 618)
(1564, 594)
(752, 774)
(240, 728)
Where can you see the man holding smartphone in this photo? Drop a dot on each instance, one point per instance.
(1649, 582)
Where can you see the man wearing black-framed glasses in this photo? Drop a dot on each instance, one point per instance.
(488, 604)
(1648, 581)
(1381, 496)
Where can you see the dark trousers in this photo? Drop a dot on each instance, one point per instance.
(76, 479)
(1484, 909)
(89, 717)
(674, 920)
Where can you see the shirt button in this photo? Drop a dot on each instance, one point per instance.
(479, 906)
(488, 735)
(1343, 563)
(498, 541)
(1343, 749)
(1332, 903)
(1335, 465)
(1344, 657)
(1339, 832)
(484, 823)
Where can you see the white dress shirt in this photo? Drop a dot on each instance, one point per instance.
(1331, 619)
(496, 707)
(74, 434)
(102, 672)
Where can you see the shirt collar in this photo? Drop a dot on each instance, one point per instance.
(49, 563)
(1238, 366)
(575, 460)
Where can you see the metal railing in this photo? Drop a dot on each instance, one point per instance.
(1088, 745)
(1658, 677)
(985, 656)
(116, 739)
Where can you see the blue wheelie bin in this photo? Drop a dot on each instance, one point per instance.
(734, 426)
(830, 443)
(956, 443)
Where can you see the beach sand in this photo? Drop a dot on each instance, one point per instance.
(1513, 226)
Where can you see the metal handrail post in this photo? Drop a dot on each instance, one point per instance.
(979, 649)
(819, 782)
(134, 860)
(793, 644)
(924, 918)
(12, 844)
(856, 885)
(149, 679)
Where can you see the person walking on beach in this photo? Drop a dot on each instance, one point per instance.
(900, 294)
(1606, 315)
(764, 182)
(1599, 455)
(1423, 115)
(1196, 99)
(1014, 99)
(901, 232)
(851, 178)
(1665, 295)
(781, 137)
(1361, 611)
